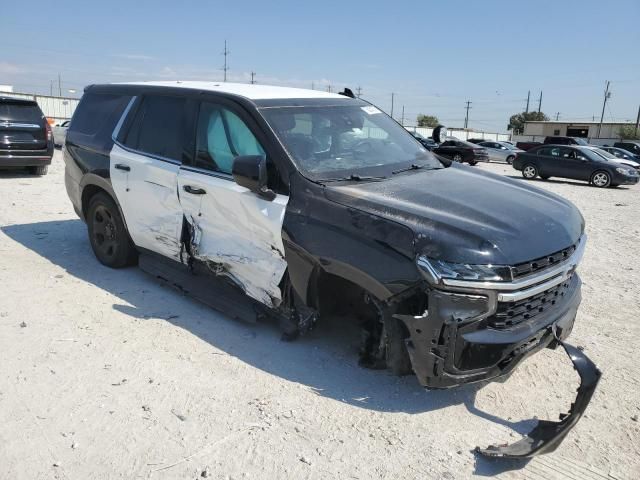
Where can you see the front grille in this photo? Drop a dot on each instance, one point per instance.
(509, 314)
(527, 268)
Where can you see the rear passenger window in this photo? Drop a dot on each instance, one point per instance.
(157, 128)
(95, 111)
(222, 136)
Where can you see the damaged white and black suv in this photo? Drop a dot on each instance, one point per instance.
(288, 203)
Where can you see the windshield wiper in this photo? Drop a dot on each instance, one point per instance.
(352, 178)
(413, 166)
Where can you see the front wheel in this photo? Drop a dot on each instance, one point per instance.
(457, 158)
(601, 179)
(107, 233)
(545, 177)
(529, 172)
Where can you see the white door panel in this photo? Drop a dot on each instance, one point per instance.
(148, 196)
(240, 233)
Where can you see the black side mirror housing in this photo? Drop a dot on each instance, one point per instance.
(250, 171)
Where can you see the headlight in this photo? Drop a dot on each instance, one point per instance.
(624, 171)
(435, 270)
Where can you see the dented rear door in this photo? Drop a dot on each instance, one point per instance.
(236, 233)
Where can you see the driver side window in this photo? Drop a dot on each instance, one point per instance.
(221, 136)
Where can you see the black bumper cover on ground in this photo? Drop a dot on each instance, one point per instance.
(548, 435)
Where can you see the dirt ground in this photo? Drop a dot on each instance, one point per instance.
(105, 374)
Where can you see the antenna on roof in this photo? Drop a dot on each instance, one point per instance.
(347, 93)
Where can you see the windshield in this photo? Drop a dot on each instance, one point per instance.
(604, 154)
(334, 141)
(580, 141)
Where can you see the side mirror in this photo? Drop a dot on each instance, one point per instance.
(250, 171)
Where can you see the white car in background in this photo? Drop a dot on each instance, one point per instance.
(501, 151)
(60, 133)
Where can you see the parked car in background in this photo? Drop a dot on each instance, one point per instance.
(476, 140)
(461, 151)
(60, 133)
(622, 153)
(612, 158)
(427, 143)
(25, 136)
(527, 145)
(501, 151)
(565, 141)
(575, 162)
(629, 146)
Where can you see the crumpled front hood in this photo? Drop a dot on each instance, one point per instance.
(465, 215)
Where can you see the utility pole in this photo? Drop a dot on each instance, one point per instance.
(313, 85)
(528, 96)
(51, 88)
(402, 118)
(635, 132)
(253, 78)
(557, 116)
(540, 102)
(359, 90)
(59, 86)
(466, 118)
(392, 95)
(226, 67)
(607, 95)
(329, 88)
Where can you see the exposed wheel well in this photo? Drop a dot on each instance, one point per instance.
(88, 192)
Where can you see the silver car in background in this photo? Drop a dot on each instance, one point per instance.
(501, 151)
(60, 133)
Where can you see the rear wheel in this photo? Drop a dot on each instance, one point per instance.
(40, 170)
(601, 179)
(107, 233)
(530, 171)
(510, 159)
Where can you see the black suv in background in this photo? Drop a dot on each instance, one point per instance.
(565, 141)
(25, 136)
(461, 151)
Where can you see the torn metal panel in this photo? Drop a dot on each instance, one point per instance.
(236, 233)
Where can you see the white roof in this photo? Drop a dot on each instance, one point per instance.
(254, 92)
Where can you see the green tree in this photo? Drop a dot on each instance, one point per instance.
(629, 132)
(428, 121)
(516, 122)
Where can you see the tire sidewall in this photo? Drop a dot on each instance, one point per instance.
(535, 170)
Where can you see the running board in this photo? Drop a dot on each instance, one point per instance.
(202, 285)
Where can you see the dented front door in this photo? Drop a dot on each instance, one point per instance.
(236, 233)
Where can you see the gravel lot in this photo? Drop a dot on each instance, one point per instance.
(106, 374)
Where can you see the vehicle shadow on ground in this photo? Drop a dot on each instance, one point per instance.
(563, 181)
(325, 360)
(17, 173)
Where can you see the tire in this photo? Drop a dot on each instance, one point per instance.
(473, 162)
(510, 159)
(545, 177)
(457, 158)
(529, 171)
(108, 235)
(601, 179)
(396, 354)
(40, 171)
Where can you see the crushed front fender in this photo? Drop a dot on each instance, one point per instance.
(548, 435)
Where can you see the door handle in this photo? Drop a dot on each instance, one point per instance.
(194, 191)
(121, 166)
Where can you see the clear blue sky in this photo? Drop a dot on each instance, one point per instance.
(434, 55)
